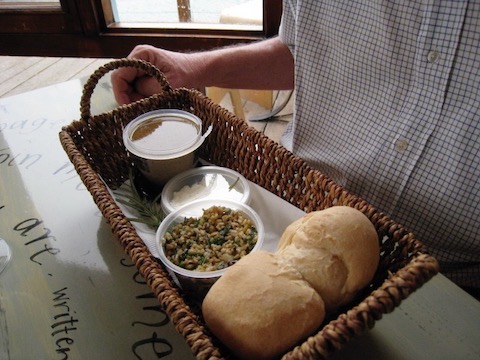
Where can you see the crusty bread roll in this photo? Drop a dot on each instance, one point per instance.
(336, 250)
(261, 307)
(325, 272)
(266, 303)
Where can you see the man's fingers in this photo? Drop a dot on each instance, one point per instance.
(147, 86)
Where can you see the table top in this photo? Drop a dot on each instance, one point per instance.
(71, 290)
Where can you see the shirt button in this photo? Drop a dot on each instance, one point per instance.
(433, 56)
(401, 145)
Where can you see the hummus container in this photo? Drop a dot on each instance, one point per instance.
(164, 143)
(196, 283)
(205, 182)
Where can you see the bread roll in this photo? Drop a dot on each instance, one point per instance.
(336, 250)
(325, 272)
(266, 303)
(261, 307)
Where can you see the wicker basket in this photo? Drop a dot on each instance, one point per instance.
(95, 147)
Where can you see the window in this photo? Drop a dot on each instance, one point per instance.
(111, 28)
(226, 14)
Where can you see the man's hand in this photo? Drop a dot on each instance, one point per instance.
(131, 84)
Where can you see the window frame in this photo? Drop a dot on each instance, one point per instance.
(79, 28)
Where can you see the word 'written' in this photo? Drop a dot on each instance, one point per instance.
(64, 323)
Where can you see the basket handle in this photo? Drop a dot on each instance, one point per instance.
(92, 82)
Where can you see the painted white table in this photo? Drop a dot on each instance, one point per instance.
(71, 293)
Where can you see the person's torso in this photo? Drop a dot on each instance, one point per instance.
(388, 106)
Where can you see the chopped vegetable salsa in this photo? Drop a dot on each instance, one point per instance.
(216, 240)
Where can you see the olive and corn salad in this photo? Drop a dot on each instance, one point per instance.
(216, 240)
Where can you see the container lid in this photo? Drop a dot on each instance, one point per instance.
(206, 182)
(162, 133)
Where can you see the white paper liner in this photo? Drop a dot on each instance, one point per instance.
(275, 213)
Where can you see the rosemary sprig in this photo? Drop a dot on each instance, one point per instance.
(149, 212)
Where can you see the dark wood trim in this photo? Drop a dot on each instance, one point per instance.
(114, 46)
(44, 18)
(184, 13)
(90, 15)
(272, 15)
(49, 22)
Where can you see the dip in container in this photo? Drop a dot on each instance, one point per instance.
(164, 143)
(193, 282)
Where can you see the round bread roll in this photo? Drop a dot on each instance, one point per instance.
(266, 303)
(336, 250)
(261, 307)
(325, 272)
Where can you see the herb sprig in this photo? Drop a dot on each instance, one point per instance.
(149, 211)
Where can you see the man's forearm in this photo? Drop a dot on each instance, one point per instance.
(267, 64)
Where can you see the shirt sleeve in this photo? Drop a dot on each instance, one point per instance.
(286, 31)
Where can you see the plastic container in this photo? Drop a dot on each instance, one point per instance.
(206, 182)
(164, 143)
(197, 283)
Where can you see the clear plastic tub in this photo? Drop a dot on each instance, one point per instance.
(197, 283)
(206, 182)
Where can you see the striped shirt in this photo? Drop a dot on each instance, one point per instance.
(387, 104)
